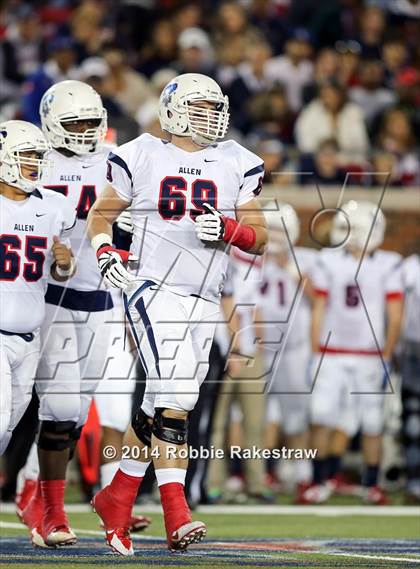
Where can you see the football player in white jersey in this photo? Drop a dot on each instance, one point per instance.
(34, 224)
(191, 197)
(410, 371)
(82, 324)
(285, 301)
(356, 323)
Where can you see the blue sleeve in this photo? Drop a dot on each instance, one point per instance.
(33, 89)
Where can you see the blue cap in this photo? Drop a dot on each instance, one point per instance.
(301, 34)
(61, 43)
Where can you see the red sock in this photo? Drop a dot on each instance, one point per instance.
(124, 488)
(53, 498)
(175, 508)
(38, 493)
(34, 511)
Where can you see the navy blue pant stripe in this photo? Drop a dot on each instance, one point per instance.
(149, 331)
(136, 338)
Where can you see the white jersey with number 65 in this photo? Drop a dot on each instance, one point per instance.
(27, 229)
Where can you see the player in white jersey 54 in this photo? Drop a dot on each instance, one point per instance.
(355, 326)
(190, 198)
(81, 323)
(285, 301)
(34, 224)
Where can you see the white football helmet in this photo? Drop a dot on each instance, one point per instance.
(178, 115)
(279, 215)
(17, 137)
(352, 225)
(70, 101)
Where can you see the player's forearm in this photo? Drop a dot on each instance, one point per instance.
(98, 224)
(316, 322)
(104, 212)
(394, 314)
(261, 239)
(249, 230)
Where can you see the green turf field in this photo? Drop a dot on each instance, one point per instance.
(331, 537)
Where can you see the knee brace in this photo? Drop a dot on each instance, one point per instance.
(169, 429)
(62, 428)
(142, 427)
(74, 436)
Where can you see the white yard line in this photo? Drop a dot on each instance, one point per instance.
(376, 557)
(329, 511)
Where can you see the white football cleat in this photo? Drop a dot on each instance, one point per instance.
(60, 536)
(315, 494)
(37, 540)
(193, 532)
(120, 541)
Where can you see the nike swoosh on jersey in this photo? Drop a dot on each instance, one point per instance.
(205, 160)
(40, 214)
(88, 166)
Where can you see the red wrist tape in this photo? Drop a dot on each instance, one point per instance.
(123, 254)
(242, 236)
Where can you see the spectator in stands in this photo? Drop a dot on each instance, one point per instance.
(407, 87)
(61, 65)
(271, 20)
(88, 30)
(372, 28)
(326, 68)
(371, 96)
(147, 114)
(195, 52)
(160, 51)
(23, 46)
(332, 115)
(397, 137)
(232, 23)
(394, 56)
(251, 80)
(230, 55)
(324, 166)
(129, 88)
(272, 152)
(349, 59)
(121, 126)
(294, 70)
(271, 116)
(329, 21)
(188, 15)
(384, 169)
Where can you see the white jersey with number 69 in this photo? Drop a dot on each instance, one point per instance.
(167, 187)
(81, 179)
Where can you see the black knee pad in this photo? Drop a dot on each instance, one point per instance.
(74, 436)
(48, 428)
(142, 427)
(169, 429)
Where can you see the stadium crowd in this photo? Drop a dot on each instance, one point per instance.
(322, 86)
